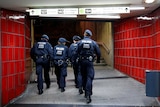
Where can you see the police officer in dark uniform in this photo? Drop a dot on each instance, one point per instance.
(42, 53)
(75, 63)
(87, 49)
(60, 61)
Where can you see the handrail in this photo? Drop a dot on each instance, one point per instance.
(104, 46)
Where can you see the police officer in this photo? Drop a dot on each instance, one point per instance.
(87, 48)
(60, 61)
(42, 53)
(75, 63)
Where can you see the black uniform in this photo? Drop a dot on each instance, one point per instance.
(87, 48)
(42, 53)
(74, 61)
(60, 61)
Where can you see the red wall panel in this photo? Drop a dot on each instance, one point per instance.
(13, 55)
(138, 40)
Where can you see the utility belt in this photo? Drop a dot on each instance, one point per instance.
(60, 62)
(89, 58)
(76, 60)
(43, 57)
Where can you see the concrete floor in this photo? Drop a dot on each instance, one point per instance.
(110, 89)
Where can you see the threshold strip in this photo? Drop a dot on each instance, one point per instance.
(62, 105)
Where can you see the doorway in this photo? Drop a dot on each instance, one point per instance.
(67, 28)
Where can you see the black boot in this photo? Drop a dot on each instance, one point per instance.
(88, 99)
(48, 86)
(62, 89)
(80, 91)
(40, 92)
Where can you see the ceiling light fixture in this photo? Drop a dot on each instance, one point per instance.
(149, 1)
(104, 16)
(16, 17)
(137, 8)
(145, 18)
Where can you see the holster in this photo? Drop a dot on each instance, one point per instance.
(89, 58)
(43, 56)
(59, 62)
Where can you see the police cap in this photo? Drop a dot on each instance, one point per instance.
(62, 40)
(76, 38)
(45, 36)
(88, 32)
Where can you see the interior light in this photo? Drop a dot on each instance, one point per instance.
(149, 1)
(137, 8)
(27, 10)
(65, 16)
(104, 16)
(16, 17)
(145, 18)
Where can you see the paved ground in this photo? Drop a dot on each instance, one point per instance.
(110, 89)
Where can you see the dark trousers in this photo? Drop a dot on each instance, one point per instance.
(87, 71)
(61, 73)
(39, 69)
(77, 74)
